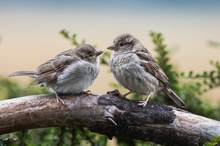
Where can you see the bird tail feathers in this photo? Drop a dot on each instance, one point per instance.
(172, 95)
(32, 74)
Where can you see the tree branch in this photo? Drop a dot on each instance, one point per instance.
(109, 114)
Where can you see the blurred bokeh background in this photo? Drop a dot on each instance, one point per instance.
(29, 32)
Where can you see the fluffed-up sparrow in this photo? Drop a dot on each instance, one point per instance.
(70, 72)
(135, 69)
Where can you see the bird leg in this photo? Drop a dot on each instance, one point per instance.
(59, 100)
(144, 103)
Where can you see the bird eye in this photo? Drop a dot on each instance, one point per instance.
(90, 54)
(121, 44)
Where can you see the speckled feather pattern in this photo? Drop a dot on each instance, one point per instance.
(128, 71)
(71, 71)
(76, 77)
(135, 69)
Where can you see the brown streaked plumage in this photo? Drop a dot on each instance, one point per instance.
(135, 68)
(71, 71)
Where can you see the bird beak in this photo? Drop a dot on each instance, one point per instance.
(112, 47)
(97, 53)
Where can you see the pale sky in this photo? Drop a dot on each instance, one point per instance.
(29, 30)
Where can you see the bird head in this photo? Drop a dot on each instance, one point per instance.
(88, 53)
(124, 42)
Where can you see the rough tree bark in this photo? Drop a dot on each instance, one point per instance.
(109, 114)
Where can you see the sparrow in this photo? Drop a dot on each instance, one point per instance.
(69, 72)
(135, 69)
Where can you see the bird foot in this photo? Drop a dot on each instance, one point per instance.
(143, 103)
(59, 100)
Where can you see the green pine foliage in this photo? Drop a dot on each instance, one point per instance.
(215, 141)
(9, 88)
(163, 59)
(206, 80)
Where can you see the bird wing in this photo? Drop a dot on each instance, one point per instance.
(49, 71)
(150, 65)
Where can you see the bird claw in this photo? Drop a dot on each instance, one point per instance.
(59, 100)
(143, 103)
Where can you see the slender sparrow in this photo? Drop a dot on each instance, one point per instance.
(71, 71)
(135, 69)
